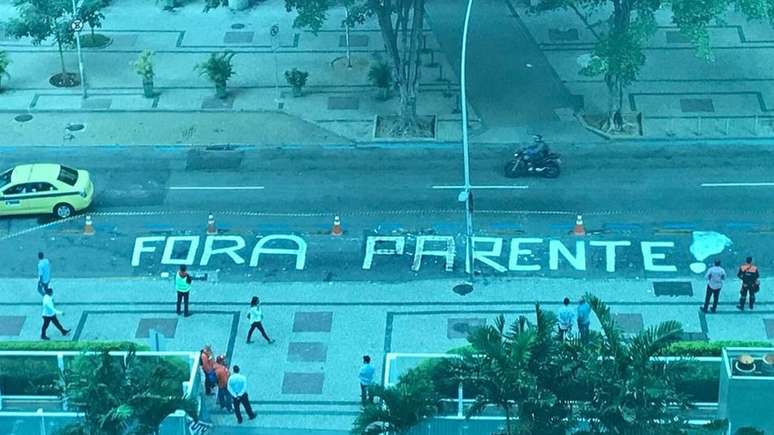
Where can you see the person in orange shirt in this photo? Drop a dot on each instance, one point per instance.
(206, 359)
(221, 373)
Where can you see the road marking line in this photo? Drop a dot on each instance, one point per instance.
(737, 184)
(482, 187)
(215, 187)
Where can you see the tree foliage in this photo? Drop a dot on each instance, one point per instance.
(124, 396)
(43, 19)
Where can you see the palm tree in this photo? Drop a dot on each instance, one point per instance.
(401, 407)
(631, 394)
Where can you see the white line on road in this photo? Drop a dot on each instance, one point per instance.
(215, 187)
(737, 184)
(482, 187)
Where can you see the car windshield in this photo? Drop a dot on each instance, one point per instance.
(68, 175)
(5, 178)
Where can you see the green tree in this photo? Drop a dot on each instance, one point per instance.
(631, 394)
(523, 372)
(4, 62)
(401, 23)
(124, 396)
(41, 19)
(400, 407)
(90, 12)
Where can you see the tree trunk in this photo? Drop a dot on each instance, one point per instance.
(61, 58)
(508, 418)
(406, 57)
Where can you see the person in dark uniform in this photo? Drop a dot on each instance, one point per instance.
(750, 276)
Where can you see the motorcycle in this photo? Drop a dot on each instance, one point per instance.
(546, 166)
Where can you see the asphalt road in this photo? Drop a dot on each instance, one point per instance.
(625, 193)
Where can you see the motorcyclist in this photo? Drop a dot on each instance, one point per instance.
(537, 151)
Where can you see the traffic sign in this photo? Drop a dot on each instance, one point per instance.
(76, 25)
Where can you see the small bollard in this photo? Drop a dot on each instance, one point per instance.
(671, 127)
(728, 122)
(755, 126)
(440, 73)
(698, 126)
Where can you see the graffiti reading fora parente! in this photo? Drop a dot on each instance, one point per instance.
(488, 251)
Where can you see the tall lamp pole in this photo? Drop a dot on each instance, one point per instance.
(77, 25)
(466, 195)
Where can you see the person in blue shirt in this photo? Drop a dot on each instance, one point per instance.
(366, 376)
(584, 318)
(566, 319)
(44, 273)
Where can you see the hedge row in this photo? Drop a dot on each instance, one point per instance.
(709, 348)
(82, 345)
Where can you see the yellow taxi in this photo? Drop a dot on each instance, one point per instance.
(45, 188)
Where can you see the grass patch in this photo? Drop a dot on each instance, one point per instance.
(97, 40)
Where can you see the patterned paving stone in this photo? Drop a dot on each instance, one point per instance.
(694, 105)
(307, 352)
(11, 326)
(164, 326)
(769, 323)
(312, 321)
(343, 103)
(460, 328)
(302, 383)
(558, 35)
(218, 103)
(677, 37)
(354, 40)
(96, 103)
(673, 288)
(123, 40)
(238, 37)
(630, 323)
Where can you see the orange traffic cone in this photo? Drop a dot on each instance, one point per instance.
(336, 231)
(211, 225)
(88, 227)
(579, 228)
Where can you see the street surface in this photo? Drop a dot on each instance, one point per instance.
(631, 194)
(653, 215)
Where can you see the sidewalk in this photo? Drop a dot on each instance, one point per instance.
(336, 99)
(307, 379)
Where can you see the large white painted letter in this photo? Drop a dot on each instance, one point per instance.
(139, 247)
(517, 251)
(169, 249)
(495, 251)
(237, 243)
(610, 246)
(299, 252)
(420, 251)
(577, 261)
(648, 256)
(370, 249)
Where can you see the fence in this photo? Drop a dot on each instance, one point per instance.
(44, 414)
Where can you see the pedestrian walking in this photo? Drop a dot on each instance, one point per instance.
(237, 387)
(366, 377)
(183, 287)
(207, 363)
(44, 273)
(584, 318)
(566, 319)
(715, 276)
(255, 316)
(225, 401)
(49, 315)
(750, 276)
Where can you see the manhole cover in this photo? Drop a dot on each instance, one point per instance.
(463, 289)
(22, 118)
(75, 127)
(237, 26)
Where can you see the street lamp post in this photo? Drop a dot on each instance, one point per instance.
(466, 195)
(77, 25)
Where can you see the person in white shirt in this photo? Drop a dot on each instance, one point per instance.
(566, 319)
(49, 315)
(715, 277)
(237, 387)
(255, 315)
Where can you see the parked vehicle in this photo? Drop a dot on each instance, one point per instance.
(44, 188)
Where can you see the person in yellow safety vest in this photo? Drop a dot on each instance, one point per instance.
(183, 287)
(748, 273)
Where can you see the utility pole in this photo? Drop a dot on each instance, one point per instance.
(466, 195)
(76, 26)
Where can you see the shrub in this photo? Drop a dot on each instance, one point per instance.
(380, 75)
(217, 68)
(144, 65)
(29, 376)
(96, 346)
(296, 78)
(708, 348)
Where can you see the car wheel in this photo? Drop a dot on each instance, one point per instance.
(63, 211)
